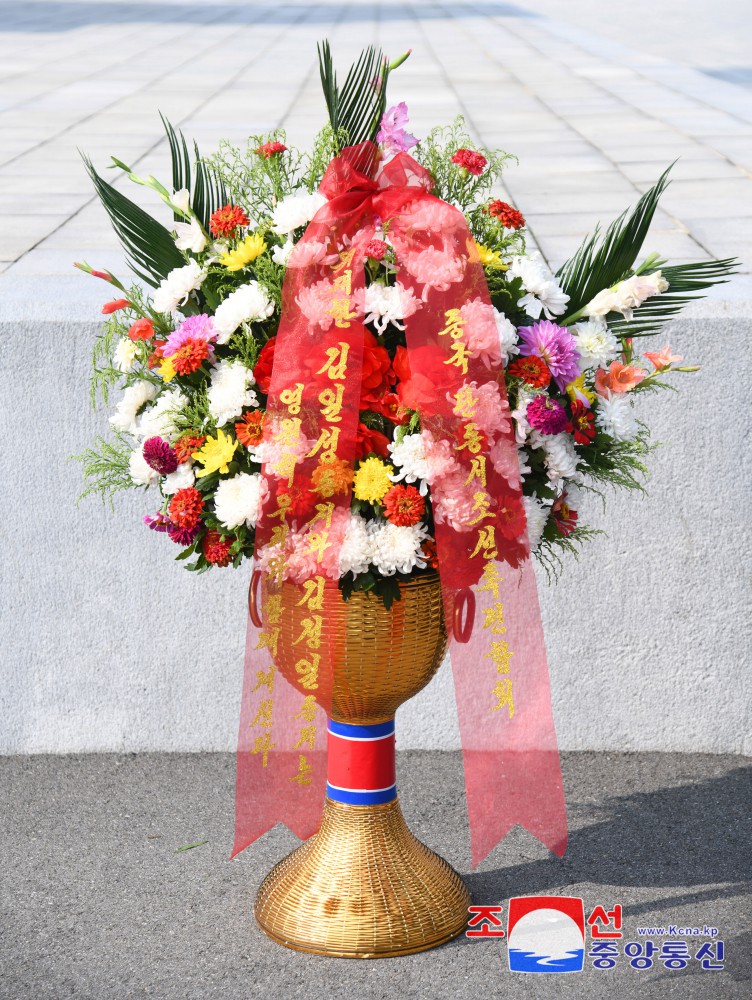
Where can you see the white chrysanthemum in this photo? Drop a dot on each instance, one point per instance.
(355, 551)
(295, 210)
(180, 479)
(190, 236)
(124, 355)
(521, 427)
(561, 458)
(386, 304)
(134, 397)
(246, 304)
(543, 290)
(396, 548)
(525, 470)
(140, 471)
(536, 513)
(229, 391)
(159, 420)
(409, 455)
(614, 416)
(174, 290)
(596, 345)
(507, 336)
(239, 500)
(281, 255)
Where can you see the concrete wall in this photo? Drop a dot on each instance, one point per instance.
(109, 645)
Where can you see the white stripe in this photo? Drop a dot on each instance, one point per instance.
(360, 739)
(338, 788)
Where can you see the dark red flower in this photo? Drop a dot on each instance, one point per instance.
(469, 160)
(389, 406)
(376, 249)
(582, 423)
(216, 549)
(377, 375)
(263, 370)
(424, 379)
(509, 217)
(368, 440)
(160, 455)
(226, 220)
(564, 517)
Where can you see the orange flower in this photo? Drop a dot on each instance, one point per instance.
(190, 356)
(618, 378)
(142, 329)
(249, 430)
(187, 445)
(403, 505)
(332, 477)
(115, 306)
(663, 358)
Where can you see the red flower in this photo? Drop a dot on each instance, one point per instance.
(368, 440)
(115, 306)
(510, 517)
(300, 498)
(509, 217)
(377, 249)
(216, 549)
(389, 406)
(226, 220)
(564, 517)
(156, 357)
(428, 549)
(377, 371)
(532, 370)
(142, 329)
(185, 507)
(403, 505)
(269, 149)
(582, 423)
(249, 430)
(263, 370)
(424, 379)
(469, 160)
(187, 445)
(190, 356)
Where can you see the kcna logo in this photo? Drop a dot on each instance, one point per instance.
(546, 934)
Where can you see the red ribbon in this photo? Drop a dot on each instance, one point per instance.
(452, 374)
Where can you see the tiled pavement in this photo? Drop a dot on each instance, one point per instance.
(594, 99)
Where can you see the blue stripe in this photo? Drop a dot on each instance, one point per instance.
(361, 732)
(353, 798)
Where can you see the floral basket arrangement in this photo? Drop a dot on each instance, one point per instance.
(346, 362)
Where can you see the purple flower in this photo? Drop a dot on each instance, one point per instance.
(160, 521)
(160, 456)
(556, 345)
(183, 536)
(190, 330)
(546, 415)
(391, 134)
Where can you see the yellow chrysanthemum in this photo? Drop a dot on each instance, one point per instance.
(489, 257)
(245, 253)
(577, 390)
(216, 454)
(372, 480)
(166, 369)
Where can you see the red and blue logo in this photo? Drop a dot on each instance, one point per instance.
(546, 934)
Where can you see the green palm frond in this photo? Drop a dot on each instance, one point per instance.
(683, 279)
(356, 108)
(208, 192)
(150, 248)
(603, 259)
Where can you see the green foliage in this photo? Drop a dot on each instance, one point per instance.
(604, 259)
(451, 183)
(244, 346)
(208, 192)
(149, 246)
(553, 542)
(384, 587)
(618, 463)
(105, 468)
(356, 108)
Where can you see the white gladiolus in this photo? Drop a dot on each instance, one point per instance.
(190, 236)
(543, 292)
(181, 199)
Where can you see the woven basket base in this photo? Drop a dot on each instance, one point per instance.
(362, 887)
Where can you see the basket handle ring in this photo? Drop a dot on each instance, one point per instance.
(464, 615)
(253, 609)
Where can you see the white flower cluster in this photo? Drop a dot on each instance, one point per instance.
(385, 304)
(625, 297)
(390, 548)
(295, 210)
(596, 345)
(614, 416)
(543, 292)
(239, 500)
(159, 420)
(229, 391)
(536, 513)
(174, 290)
(560, 456)
(133, 399)
(246, 304)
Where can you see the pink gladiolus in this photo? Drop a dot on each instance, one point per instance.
(391, 135)
(663, 358)
(618, 378)
(115, 306)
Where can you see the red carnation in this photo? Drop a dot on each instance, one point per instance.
(403, 505)
(216, 549)
(115, 306)
(227, 220)
(582, 423)
(509, 217)
(142, 329)
(469, 160)
(263, 370)
(185, 507)
(377, 249)
(532, 370)
(269, 149)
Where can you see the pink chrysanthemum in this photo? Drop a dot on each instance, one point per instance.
(157, 522)
(556, 345)
(546, 415)
(191, 344)
(160, 456)
(183, 536)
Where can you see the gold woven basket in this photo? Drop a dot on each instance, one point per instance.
(364, 886)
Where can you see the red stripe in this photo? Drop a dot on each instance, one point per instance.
(367, 764)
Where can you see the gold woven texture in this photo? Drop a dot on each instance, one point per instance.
(364, 886)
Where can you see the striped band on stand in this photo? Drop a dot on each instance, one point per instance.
(360, 763)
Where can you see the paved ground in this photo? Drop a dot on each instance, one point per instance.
(595, 104)
(95, 903)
